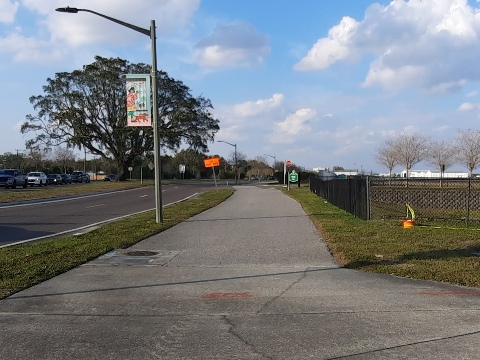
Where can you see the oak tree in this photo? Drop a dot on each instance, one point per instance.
(87, 109)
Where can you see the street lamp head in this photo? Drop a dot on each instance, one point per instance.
(67, 10)
(227, 143)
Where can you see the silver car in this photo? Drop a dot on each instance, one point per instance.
(37, 178)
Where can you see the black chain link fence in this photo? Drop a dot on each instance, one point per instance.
(348, 194)
(442, 202)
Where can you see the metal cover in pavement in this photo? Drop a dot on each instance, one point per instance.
(135, 257)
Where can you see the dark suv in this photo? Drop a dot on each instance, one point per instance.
(80, 176)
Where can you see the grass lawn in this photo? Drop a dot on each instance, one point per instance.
(22, 266)
(423, 252)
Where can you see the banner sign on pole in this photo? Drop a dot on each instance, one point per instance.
(139, 111)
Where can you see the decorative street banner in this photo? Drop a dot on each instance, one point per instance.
(138, 100)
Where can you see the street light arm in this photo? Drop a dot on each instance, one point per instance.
(130, 26)
(236, 166)
(274, 161)
(227, 143)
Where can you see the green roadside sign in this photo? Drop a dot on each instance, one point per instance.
(293, 176)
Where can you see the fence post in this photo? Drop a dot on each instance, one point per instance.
(468, 200)
(367, 202)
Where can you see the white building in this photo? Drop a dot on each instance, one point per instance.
(346, 173)
(434, 174)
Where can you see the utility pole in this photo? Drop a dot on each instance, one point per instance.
(18, 159)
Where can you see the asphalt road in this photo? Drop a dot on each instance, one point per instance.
(41, 219)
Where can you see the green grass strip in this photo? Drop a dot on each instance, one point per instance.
(22, 266)
(441, 254)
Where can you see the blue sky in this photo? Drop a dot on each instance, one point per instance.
(320, 83)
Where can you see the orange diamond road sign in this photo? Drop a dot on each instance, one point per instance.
(211, 162)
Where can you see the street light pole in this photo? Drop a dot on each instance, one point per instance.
(274, 162)
(156, 140)
(236, 169)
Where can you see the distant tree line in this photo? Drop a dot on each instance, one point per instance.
(408, 149)
(64, 160)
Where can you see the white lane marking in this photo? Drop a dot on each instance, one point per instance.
(92, 206)
(94, 224)
(142, 196)
(63, 200)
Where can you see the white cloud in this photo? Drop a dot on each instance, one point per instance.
(253, 108)
(431, 45)
(232, 46)
(468, 106)
(410, 129)
(294, 124)
(86, 29)
(329, 50)
(28, 49)
(17, 126)
(56, 34)
(231, 133)
(349, 141)
(8, 11)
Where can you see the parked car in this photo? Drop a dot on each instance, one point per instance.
(110, 177)
(11, 178)
(66, 178)
(54, 179)
(80, 176)
(37, 178)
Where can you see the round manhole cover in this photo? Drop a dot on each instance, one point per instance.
(141, 253)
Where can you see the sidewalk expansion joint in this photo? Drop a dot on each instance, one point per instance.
(304, 273)
(231, 330)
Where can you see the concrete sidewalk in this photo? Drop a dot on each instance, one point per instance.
(248, 279)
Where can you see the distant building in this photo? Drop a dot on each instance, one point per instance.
(326, 175)
(433, 174)
(345, 174)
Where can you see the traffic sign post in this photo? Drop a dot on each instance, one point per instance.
(292, 177)
(211, 163)
(286, 165)
(181, 169)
